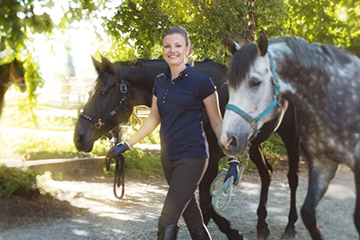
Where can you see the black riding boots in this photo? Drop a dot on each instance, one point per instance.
(168, 233)
(200, 234)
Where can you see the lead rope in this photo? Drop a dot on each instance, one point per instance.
(119, 178)
(227, 187)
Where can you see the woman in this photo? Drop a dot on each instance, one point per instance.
(179, 97)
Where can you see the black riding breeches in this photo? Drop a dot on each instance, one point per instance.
(183, 177)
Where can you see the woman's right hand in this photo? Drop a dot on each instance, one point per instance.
(120, 148)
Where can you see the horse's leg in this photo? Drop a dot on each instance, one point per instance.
(357, 207)
(265, 171)
(320, 175)
(290, 138)
(206, 206)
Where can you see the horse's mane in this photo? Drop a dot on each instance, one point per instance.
(240, 64)
(207, 59)
(133, 63)
(305, 52)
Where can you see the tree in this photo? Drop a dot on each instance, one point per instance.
(207, 21)
(20, 19)
(135, 29)
(333, 22)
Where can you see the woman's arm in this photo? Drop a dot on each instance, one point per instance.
(148, 126)
(213, 111)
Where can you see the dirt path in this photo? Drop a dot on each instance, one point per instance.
(98, 215)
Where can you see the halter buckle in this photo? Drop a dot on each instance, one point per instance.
(254, 123)
(123, 87)
(99, 124)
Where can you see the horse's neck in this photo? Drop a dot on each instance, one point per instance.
(4, 73)
(3, 90)
(142, 98)
(143, 77)
(324, 94)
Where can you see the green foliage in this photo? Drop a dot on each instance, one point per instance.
(19, 18)
(58, 144)
(273, 148)
(33, 84)
(333, 22)
(14, 180)
(271, 16)
(140, 164)
(152, 138)
(142, 22)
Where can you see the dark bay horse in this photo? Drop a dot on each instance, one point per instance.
(122, 85)
(323, 83)
(11, 73)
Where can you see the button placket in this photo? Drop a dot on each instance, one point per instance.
(167, 91)
(173, 82)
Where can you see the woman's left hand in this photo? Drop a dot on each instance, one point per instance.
(233, 169)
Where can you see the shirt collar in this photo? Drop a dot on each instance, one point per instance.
(183, 73)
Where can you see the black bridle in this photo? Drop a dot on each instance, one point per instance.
(99, 122)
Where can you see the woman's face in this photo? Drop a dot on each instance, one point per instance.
(175, 50)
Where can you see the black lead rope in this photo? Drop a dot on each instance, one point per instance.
(119, 174)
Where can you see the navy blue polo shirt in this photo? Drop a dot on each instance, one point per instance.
(180, 104)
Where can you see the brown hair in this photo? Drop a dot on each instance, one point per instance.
(176, 29)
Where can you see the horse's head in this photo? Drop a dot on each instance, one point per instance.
(107, 106)
(253, 96)
(17, 74)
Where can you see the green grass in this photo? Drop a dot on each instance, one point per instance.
(54, 139)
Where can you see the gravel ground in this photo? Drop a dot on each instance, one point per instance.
(97, 214)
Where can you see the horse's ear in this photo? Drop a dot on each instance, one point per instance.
(262, 43)
(106, 64)
(231, 44)
(97, 65)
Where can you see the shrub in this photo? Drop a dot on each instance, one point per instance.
(16, 180)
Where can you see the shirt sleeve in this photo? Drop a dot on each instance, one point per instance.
(207, 87)
(154, 91)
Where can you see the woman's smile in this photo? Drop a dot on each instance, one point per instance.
(175, 50)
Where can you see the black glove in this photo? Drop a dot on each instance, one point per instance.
(120, 148)
(233, 169)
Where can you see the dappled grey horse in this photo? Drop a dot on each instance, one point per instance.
(323, 83)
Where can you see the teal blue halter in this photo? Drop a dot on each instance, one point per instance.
(254, 121)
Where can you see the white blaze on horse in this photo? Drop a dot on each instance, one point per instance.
(323, 83)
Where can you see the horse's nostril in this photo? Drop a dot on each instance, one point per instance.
(79, 139)
(233, 142)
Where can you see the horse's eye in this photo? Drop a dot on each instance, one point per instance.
(254, 82)
(103, 93)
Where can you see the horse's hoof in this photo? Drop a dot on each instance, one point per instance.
(235, 235)
(263, 233)
(290, 233)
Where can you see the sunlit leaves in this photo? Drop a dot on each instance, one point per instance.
(327, 21)
(207, 22)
